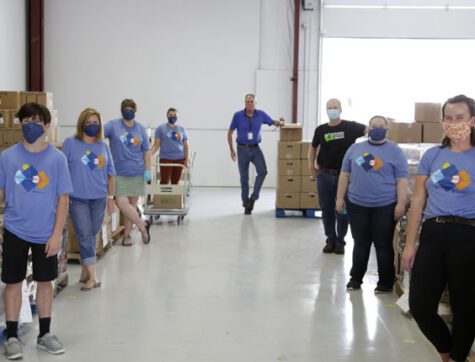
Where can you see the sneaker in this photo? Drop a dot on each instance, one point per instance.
(13, 348)
(381, 289)
(339, 249)
(250, 203)
(330, 247)
(248, 206)
(49, 342)
(353, 285)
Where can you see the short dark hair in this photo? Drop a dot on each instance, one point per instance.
(34, 109)
(171, 109)
(470, 102)
(128, 103)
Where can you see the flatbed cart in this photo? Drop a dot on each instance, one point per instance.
(155, 189)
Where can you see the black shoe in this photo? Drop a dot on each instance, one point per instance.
(339, 249)
(247, 211)
(330, 247)
(383, 289)
(250, 203)
(353, 285)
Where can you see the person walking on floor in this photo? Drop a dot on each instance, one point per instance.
(329, 144)
(172, 141)
(35, 184)
(92, 173)
(130, 150)
(373, 188)
(444, 202)
(248, 123)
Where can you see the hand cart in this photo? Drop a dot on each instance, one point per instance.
(154, 191)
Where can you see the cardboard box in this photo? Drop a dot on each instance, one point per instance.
(2, 137)
(51, 135)
(405, 132)
(287, 200)
(4, 116)
(288, 183)
(289, 151)
(307, 184)
(304, 152)
(12, 136)
(168, 201)
(428, 112)
(14, 121)
(304, 170)
(45, 98)
(291, 133)
(288, 167)
(9, 100)
(309, 200)
(432, 132)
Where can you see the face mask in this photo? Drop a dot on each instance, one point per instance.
(92, 129)
(128, 114)
(377, 134)
(32, 131)
(333, 114)
(172, 120)
(457, 131)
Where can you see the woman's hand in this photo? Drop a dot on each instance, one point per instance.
(110, 206)
(340, 206)
(399, 211)
(408, 257)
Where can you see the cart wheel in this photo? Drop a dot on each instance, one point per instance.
(178, 220)
(182, 217)
(156, 217)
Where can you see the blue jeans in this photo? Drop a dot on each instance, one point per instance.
(87, 216)
(372, 225)
(254, 155)
(327, 187)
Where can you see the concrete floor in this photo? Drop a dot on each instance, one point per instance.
(225, 287)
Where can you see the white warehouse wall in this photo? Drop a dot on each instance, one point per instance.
(13, 45)
(201, 57)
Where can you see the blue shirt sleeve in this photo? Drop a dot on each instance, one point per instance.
(65, 185)
(2, 172)
(185, 136)
(110, 163)
(425, 163)
(107, 129)
(267, 119)
(66, 148)
(234, 122)
(401, 165)
(146, 142)
(346, 165)
(158, 133)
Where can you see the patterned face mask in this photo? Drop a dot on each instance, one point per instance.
(457, 131)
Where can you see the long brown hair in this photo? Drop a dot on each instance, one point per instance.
(82, 123)
(470, 102)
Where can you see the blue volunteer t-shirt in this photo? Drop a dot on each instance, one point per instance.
(89, 166)
(171, 141)
(127, 145)
(374, 172)
(249, 125)
(450, 186)
(32, 183)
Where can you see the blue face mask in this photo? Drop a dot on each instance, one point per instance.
(32, 131)
(377, 134)
(92, 130)
(333, 114)
(128, 114)
(172, 120)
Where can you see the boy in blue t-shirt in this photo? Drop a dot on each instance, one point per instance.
(35, 183)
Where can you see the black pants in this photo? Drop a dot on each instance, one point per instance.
(372, 225)
(446, 255)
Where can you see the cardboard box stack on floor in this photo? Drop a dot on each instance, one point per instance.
(295, 190)
(429, 115)
(10, 128)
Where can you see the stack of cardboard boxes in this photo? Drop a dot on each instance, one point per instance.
(295, 189)
(10, 128)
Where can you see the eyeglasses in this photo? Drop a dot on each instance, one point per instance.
(32, 120)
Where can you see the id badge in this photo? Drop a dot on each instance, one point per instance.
(249, 136)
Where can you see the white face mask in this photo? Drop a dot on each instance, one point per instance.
(333, 114)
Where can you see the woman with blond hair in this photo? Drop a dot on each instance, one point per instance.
(92, 172)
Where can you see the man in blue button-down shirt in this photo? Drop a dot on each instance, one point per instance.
(248, 123)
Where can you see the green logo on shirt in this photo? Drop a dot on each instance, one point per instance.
(334, 136)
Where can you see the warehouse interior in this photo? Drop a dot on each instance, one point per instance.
(219, 285)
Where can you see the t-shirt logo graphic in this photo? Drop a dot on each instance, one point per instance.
(129, 140)
(30, 178)
(92, 161)
(449, 177)
(334, 136)
(369, 162)
(175, 136)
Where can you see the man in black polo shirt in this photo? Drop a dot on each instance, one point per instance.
(330, 143)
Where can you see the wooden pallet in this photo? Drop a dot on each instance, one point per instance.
(308, 213)
(116, 235)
